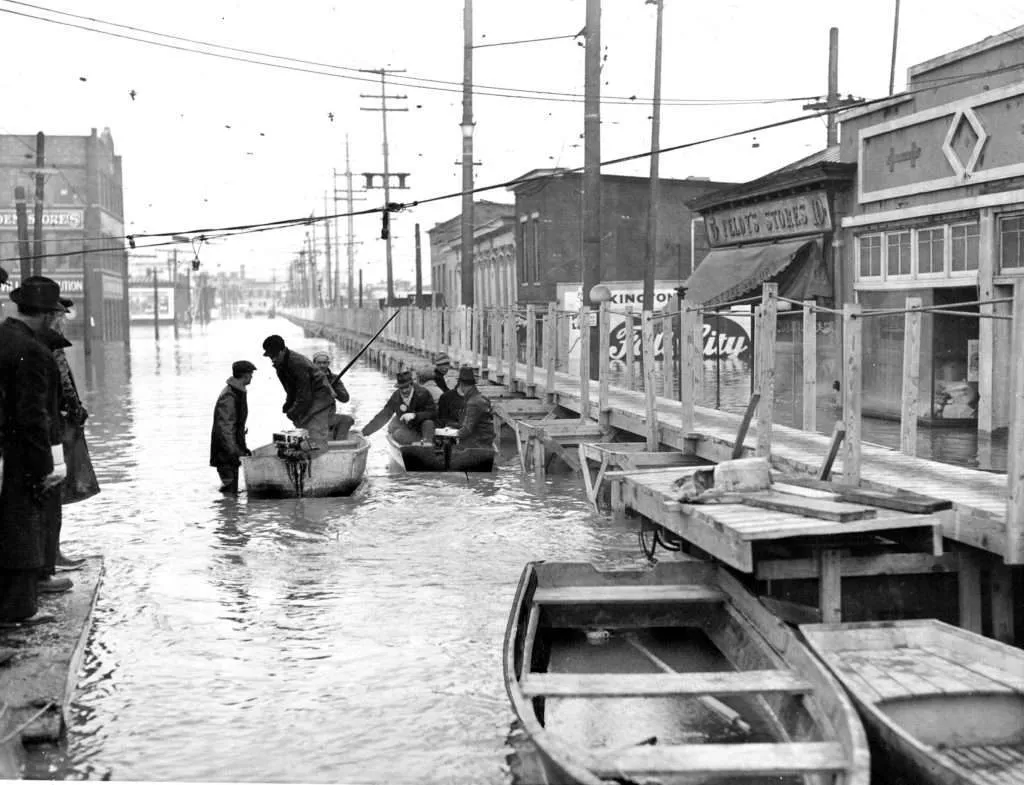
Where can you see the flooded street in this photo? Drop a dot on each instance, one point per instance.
(321, 640)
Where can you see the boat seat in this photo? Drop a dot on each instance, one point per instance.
(581, 595)
(621, 685)
(739, 760)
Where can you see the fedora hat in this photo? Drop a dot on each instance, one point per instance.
(40, 293)
(403, 377)
(467, 375)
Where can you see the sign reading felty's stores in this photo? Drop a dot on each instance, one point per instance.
(52, 219)
(802, 214)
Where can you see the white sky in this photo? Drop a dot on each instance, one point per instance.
(184, 169)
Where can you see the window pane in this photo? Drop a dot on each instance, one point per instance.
(930, 250)
(1010, 237)
(972, 250)
(898, 246)
(865, 257)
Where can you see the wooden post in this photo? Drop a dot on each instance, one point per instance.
(852, 350)
(647, 351)
(498, 345)
(628, 346)
(551, 345)
(987, 326)
(482, 336)
(545, 348)
(911, 377)
(697, 371)
(969, 589)
(531, 347)
(512, 341)
(766, 368)
(1015, 439)
(604, 323)
(689, 359)
(1001, 584)
(810, 347)
(830, 586)
(668, 353)
(584, 343)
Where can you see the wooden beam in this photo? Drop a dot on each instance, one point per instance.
(604, 326)
(584, 344)
(911, 377)
(512, 347)
(838, 435)
(859, 566)
(647, 342)
(741, 433)
(628, 345)
(1001, 585)
(1015, 440)
(766, 372)
(852, 383)
(987, 253)
(482, 335)
(668, 342)
(690, 359)
(551, 344)
(969, 589)
(810, 352)
(531, 346)
(830, 585)
(497, 344)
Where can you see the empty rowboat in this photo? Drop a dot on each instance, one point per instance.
(940, 704)
(336, 471)
(673, 675)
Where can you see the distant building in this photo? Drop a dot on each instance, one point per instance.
(83, 224)
(493, 255)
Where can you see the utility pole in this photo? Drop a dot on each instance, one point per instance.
(419, 269)
(833, 102)
(174, 290)
(655, 200)
(592, 168)
(384, 109)
(350, 200)
(895, 38)
(156, 304)
(360, 287)
(328, 277)
(22, 218)
(467, 292)
(37, 230)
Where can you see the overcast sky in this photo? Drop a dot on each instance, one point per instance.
(208, 141)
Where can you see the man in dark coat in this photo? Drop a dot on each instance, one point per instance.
(227, 438)
(410, 413)
(309, 399)
(30, 498)
(477, 426)
(442, 364)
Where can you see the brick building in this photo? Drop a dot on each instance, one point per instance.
(83, 224)
(492, 252)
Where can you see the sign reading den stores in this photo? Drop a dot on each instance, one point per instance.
(726, 335)
(52, 219)
(793, 215)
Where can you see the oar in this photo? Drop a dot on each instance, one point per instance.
(367, 346)
(715, 705)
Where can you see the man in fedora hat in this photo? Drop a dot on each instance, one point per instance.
(410, 413)
(309, 399)
(30, 498)
(476, 429)
(227, 437)
(442, 364)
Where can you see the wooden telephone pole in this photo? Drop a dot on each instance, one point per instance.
(37, 229)
(467, 289)
(592, 170)
(833, 103)
(652, 218)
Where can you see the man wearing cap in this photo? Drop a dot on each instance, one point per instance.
(227, 438)
(441, 367)
(309, 399)
(410, 410)
(30, 498)
(476, 428)
(339, 424)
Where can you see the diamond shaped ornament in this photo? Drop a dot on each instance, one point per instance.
(964, 142)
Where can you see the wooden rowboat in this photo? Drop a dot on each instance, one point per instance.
(674, 674)
(940, 704)
(442, 456)
(336, 471)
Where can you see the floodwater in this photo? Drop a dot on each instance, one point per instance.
(324, 640)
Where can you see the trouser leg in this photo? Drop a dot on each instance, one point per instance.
(52, 515)
(228, 478)
(18, 595)
(427, 429)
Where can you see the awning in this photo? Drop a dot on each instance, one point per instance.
(730, 273)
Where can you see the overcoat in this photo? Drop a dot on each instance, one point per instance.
(307, 390)
(30, 398)
(227, 437)
(477, 426)
(420, 404)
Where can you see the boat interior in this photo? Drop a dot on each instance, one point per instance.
(657, 675)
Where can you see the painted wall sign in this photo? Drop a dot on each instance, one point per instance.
(794, 215)
(68, 284)
(972, 140)
(52, 219)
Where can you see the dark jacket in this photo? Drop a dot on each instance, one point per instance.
(439, 380)
(450, 408)
(477, 427)
(337, 386)
(71, 408)
(227, 438)
(306, 388)
(30, 399)
(421, 404)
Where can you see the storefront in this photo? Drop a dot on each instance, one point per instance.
(939, 215)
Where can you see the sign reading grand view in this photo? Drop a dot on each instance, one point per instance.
(793, 215)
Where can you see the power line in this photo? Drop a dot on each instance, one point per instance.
(441, 85)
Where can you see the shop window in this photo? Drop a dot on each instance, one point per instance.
(964, 241)
(871, 256)
(931, 251)
(1011, 242)
(897, 257)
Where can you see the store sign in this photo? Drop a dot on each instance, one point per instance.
(67, 284)
(794, 215)
(52, 219)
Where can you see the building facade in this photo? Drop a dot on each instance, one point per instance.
(83, 225)
(492, 254)
(938, 214)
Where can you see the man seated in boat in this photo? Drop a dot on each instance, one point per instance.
(442, 364)
(410, 413)
(450, 407)
(476, 428)
(338, 424)
(424, 377)
(309, 399)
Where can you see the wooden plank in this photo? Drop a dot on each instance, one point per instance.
(809, 421)
(853, 351)
(668, 363)
(603, 360)
(902, 501)
(766, 377)
(791, 612)
(651, 407)
(583, 595)
(859, 566)
(622, 685)
(969, 590)
(724, 760)
(1015, 441)
(1001, 586)
(838, 435)
(629, 345)
(585, 331)
(741, 433)
(830, 585)
(809, 508)
(911, 376)
(531, 345)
